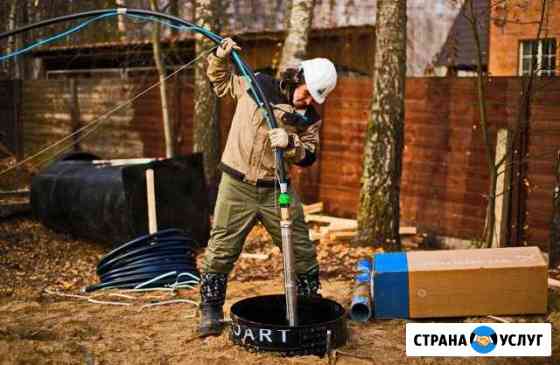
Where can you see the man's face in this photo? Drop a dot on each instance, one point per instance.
(302, 98)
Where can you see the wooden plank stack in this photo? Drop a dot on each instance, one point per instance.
(334, 228)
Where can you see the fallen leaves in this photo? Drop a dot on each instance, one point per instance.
(34, 257)
(337, 259)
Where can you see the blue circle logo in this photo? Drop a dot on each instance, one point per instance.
(483, 339)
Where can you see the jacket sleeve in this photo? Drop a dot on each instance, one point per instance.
(304, 146)
(222, 78)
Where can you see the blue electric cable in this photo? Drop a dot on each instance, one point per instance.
(169, 24)
(145, 18)
(154, 16)
(77, 28)
(55, 37)
(235, 55)
(89, 21)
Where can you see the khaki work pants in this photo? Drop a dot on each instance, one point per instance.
(239, 207)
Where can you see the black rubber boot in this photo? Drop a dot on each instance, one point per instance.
(212, 297)
(308, 284)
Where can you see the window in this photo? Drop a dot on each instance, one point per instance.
(545, 52)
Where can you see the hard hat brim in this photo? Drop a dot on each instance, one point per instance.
(318, 98)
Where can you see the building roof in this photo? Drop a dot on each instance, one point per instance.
(429, 27)
(459, 50)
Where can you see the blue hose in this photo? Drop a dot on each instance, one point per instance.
(170, 21)
(54, 38)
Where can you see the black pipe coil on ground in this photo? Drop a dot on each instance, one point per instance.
(144, 264)
(145, 258)
(140, 241)
(145, 245)
(174, 246)
(152, 254)
(148, 270)
(141, 259)
(157, 260)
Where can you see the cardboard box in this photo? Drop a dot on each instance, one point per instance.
(455, 283)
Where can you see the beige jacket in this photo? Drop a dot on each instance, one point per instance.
(248, 154)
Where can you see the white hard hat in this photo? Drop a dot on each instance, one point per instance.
(320, 77)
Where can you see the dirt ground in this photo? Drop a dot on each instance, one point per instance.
(38, 325)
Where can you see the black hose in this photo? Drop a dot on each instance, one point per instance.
(157, 260)
(142, 258)
(153, 269)
(166, 256)
(237, 61)
(138, 242)
(88, 14)
(133, 259)
(149, 247)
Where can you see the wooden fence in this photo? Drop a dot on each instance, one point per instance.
(444, 181)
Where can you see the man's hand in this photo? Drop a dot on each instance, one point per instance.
(226, 47)
(278, 138)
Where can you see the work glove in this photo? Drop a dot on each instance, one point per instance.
(278, 138)
(226, 47)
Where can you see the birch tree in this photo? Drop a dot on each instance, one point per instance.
(299, 25)
(379, 212)
(206, 132)
(167, 127)
(174, 10)
(121, 21)
(517, 145)
(15, 15)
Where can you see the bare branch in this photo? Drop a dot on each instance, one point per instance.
(514, 21)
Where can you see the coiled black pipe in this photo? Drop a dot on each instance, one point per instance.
(167, 256)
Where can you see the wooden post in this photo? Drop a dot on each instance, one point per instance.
(74, 107)
(18, 125)
(503, 186)
(151, 199)
(554, 248)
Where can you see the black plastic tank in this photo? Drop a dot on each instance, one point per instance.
(108, 203)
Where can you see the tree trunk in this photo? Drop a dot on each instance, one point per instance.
(295, 45)
(174, 10)
(520, 146)
(37, 12)
(121, 20)
(481, 82)
(16, 71)
(379, 211)
(206, 131)
(168, 133)
(518, 149)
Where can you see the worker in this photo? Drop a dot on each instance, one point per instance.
(248, 188)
